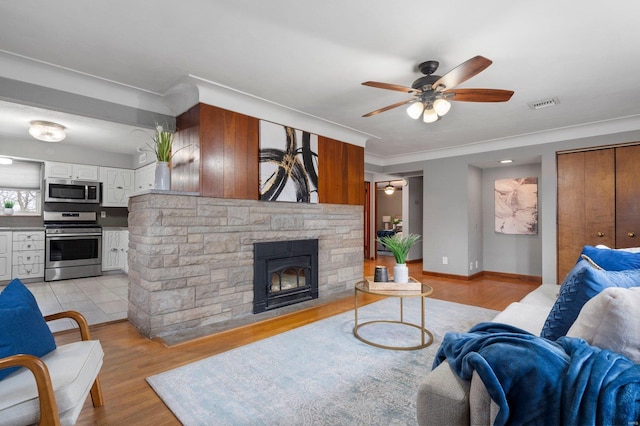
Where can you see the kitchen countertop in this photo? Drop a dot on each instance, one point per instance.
(21, 228)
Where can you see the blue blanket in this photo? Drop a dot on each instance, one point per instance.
(536, 381)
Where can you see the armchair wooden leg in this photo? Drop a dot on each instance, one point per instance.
(96, 393)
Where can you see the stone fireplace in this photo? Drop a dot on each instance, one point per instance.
(285, 272)
(191, 258)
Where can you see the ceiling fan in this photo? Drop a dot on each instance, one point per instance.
(432, 93)
(391, 186)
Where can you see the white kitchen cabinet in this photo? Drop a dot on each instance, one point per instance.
(115, 249)
(124, 247)
(53, 169)
(117, 185)
(6, 256)
(28, 254)
(144, 177)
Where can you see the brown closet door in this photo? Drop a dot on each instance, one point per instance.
(586, 204)
(627, 196)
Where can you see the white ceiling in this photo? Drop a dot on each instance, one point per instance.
(313, 56)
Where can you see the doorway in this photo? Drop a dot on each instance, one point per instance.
(393, 211)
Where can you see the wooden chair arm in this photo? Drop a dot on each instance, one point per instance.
(77, 317)
(48, 407)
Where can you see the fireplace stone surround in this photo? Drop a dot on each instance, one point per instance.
(191, 258)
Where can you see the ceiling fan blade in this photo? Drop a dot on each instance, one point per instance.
(389, 86)
(463, 72)
(479, 95)
(387, 108)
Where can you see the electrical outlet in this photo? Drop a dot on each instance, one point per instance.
(476, 264)
(471, 266)
(445, 260)
(103, 214)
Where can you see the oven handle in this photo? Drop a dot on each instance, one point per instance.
(91, 234)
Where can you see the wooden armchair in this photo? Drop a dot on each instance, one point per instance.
(63, 379)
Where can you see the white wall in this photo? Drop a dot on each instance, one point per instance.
(413, 208)
(474, 225)
(36, 150)
(446, 201)
(445, 222)
(516, 254)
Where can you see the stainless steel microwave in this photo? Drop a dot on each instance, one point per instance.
(71, 191)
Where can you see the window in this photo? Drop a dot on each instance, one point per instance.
(21, 183)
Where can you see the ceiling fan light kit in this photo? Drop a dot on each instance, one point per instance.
(389, 189)
(415, 110)
(430, 115)
(432, 93)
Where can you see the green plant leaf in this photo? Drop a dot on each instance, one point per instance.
(399, 245)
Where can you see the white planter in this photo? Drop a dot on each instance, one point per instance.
(8, 210)
(163, 176)
(400, 273)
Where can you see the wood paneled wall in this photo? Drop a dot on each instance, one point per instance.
(219, 157)
(229, 144)
(185, 164)
(340, 172)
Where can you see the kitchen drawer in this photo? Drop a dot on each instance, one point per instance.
(28, 256)
(27, 244)
(28, 264)
(20, 236)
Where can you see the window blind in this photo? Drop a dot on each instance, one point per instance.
(21, 175)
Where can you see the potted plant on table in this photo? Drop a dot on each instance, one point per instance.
(8, 207)
(399, 245)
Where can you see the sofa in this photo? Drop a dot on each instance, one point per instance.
(599, 305)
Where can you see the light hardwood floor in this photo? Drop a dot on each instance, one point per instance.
(130, 358)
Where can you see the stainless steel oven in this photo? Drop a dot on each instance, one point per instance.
(73, 245)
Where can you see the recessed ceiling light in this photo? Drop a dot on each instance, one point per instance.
(6, 161)
(506, 161)
(47, 131)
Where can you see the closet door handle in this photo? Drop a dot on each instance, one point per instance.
(631, 234)
(600, 234)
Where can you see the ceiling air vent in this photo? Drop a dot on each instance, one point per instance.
(544, 103)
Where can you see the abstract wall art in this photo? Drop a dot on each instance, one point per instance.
(288, 164)
(516, 206)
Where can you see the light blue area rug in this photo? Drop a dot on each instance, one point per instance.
(319, 374)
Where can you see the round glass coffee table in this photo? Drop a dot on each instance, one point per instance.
(426, 338)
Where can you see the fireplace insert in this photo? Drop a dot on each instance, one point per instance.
(285, 272)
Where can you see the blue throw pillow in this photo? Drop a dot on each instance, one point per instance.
(612, 260)
(582, 283)
(23, 329)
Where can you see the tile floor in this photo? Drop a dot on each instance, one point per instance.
(99, 299)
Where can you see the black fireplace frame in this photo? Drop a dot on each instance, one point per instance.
(272, 256)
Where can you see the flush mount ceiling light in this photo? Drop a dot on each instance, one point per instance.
(389, 189)
(47, 131)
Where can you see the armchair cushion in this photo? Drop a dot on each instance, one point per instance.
(23, 329)
(73, 368)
